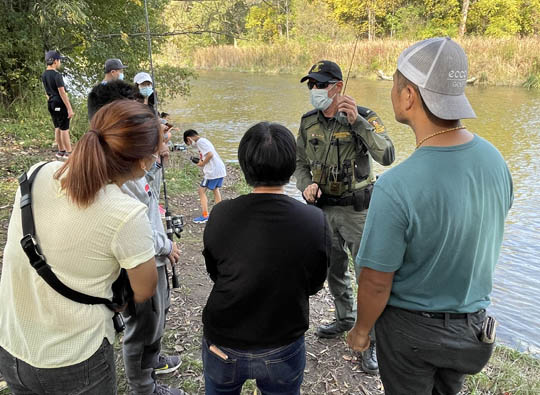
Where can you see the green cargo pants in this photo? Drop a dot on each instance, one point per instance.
(347, 227)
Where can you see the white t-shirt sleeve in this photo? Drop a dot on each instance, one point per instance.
(204, 146)
(133, 243)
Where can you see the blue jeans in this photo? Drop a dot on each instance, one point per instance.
(95, 376)
(276, 370)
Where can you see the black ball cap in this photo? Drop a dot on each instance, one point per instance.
(324, 71)
(51, 56)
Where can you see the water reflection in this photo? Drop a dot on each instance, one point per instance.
(224, 105)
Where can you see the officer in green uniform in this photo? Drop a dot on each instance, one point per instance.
(337, 142)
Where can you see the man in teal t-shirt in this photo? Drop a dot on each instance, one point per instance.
(433, 233)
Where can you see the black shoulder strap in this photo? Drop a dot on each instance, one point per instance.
(33, 251)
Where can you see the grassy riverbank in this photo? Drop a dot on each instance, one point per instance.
(508, 61)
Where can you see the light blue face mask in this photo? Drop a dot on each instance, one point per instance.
(121, 76)
(146, 91)
(319, 99)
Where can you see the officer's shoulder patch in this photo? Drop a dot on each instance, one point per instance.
(377, 123)
(307, 114)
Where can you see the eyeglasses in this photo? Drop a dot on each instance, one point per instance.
(319, 85)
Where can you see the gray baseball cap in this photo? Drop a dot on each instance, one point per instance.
(438, 66)
(113, 64)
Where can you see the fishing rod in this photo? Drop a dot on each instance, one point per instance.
(174, 223)
(336, 123)
(149, 43)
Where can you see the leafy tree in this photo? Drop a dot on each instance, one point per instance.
(87, 31)
(496, 18)
(204, 23)
(269, 20)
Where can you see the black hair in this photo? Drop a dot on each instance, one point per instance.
(402, 82)
(164, 114)
(189, 133)
(267, 154)
(103, 94)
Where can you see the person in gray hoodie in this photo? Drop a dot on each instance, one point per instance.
(144, 329)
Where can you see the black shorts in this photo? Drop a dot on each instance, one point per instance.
(59, 114)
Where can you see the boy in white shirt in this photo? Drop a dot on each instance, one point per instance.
(213, 169)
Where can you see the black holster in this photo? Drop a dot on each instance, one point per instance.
(362, 197)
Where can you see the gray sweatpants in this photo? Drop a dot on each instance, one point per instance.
(142, 338)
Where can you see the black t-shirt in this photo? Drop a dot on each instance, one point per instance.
(266, 253)
(52, 80)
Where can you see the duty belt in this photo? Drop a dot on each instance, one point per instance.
(326, 200)
(359, 199)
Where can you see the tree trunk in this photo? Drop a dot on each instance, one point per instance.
(369, 23)
(463, 23)
(287, 15)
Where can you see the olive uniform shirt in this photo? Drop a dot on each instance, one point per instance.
(353, 146)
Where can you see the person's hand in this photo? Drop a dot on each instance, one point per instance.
(119, 309)
(310, 191)
(164, 152)
(70, 114)
(174, 256)
(200, 163)
(347, 105)
(357, 340)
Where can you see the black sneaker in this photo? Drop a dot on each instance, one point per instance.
(369, 359)
(167, 364)
(60, 155)
(161, 389)
(334, 329)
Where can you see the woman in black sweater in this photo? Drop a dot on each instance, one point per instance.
(266, 253)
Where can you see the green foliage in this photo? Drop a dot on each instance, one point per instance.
(313, 22)
(508, 372)
(210, 23)
(495, 18)
(533, 80)
(87, 31)
(263, 22)
(530, 17)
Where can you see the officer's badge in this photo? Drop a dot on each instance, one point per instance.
(379, 127)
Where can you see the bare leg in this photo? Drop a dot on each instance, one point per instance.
(65, 142)
(57, 138)
(204, 200)
(217, 196)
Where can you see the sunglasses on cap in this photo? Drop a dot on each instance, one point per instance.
(319, 85)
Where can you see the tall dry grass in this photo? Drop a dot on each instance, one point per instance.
(493, 61)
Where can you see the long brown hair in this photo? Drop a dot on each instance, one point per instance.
(121, 133)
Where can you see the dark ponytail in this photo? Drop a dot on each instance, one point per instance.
(121, 134)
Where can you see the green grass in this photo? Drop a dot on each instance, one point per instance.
(182, 176)
(28, 121)
(509, 372)
(241, 187)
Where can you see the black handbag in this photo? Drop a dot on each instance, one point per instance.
(122, 292)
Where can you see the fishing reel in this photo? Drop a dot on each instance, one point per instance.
(175, 224)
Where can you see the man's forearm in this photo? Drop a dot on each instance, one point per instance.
(65, 99)
(373, 293)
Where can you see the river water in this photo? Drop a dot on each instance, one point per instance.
(223, 105)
